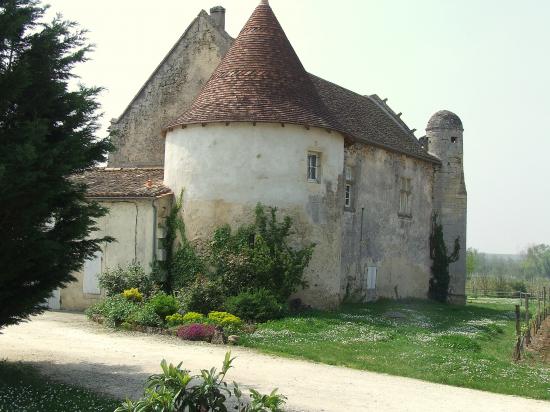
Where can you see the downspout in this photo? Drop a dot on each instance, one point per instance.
(154, 229)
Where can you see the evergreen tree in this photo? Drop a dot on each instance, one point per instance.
(439, 282)
(47, 134)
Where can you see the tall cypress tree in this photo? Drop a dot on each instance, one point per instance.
(47, 134)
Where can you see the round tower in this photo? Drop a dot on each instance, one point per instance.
(444, 135)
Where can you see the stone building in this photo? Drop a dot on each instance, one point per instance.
(233, 122)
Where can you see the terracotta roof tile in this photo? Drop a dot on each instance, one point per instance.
(116, 183)
(260, 79)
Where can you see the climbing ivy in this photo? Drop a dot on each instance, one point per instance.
(439, 282)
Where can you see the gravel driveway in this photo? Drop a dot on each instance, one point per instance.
(68, 347)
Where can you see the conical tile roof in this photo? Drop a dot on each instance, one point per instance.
(260, 79)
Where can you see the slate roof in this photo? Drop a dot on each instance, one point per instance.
(260, 79)
(123, 183)
(366, 120)
(445, 119)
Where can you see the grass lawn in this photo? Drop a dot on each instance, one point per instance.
(22, 389)
(467, 346)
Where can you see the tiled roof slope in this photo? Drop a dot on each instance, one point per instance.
(120, 183)
(260, 79)
(365, 121)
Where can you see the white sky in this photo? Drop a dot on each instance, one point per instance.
(486, 60)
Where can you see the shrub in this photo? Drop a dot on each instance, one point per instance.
(193, 317)
(115, 310)
(197, 332)
(145, 315)
(133, 294)
(178, 319)
(116, 281)
(163, 304)
(174, 320)
(203, 296)
(258, 306)
(259, 256)
(225, 320)
(186, 265)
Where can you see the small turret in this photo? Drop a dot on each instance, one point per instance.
(444, 135)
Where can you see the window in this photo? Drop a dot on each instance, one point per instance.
(348, 173)
(348, 195)
(313, 167)
(405, 197)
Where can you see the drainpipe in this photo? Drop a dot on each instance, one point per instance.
(153, 204)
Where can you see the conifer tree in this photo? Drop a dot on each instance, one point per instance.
(47, 134)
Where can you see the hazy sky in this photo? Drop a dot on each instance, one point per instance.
(486, 60)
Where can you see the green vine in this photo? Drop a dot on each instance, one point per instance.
(439, 282)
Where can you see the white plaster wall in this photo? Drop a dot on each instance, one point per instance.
(226, 170)
(131, 223)
(375, 235)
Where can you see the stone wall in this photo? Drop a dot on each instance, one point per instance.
(450, 201)
(168, 93)
(375, 234)
(226, 170)
(136, 225)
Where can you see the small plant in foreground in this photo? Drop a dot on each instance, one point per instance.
(175, 390)
(197, 332)
(133, 294)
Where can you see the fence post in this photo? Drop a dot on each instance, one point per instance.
(518, 333)
(538, 322)
(544, 298)
(528, 333)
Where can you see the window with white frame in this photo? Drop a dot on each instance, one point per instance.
(348, 193)
(313, 167)
(405, 197)
(347, 202)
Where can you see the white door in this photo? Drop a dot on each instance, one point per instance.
(371, 277)
(54, 302)
(92, 269)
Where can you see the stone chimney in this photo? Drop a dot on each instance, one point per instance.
(218, 15)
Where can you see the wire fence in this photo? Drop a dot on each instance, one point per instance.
(527, 326)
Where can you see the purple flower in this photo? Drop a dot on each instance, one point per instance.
(196, 331)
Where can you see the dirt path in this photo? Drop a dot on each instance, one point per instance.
(541, 342)
(68, 347)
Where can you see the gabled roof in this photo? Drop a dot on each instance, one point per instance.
(202, 14)
(365, 120)
(260, 79)
(123, 183)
